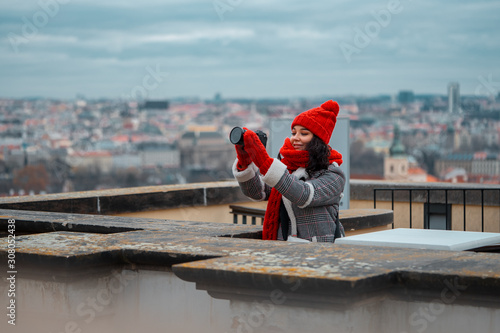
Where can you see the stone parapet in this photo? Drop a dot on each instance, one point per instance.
(225, 260)
(133, 199)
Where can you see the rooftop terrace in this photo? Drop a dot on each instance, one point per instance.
(98, 272)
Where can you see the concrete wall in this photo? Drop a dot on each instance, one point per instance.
(120, 300)
(126, 300)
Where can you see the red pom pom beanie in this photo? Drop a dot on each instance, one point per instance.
(320, 120)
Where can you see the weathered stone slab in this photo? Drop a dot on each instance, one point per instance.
(64, 251)
(465, 277)
(323, 271)
(50, 221)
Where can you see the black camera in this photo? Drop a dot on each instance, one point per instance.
(236, 136)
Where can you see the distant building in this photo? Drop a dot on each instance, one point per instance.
(406, 97)
(417, 174)
(152, 108)
(99, 161)
(399, 166)
(449, 137)
(155, 105)
(454, 97)
(218, 98)
(396, 164)
(455, 175)
(478, 165)
(456, 140)
(127, 160)
(455, 160)
(206, 152)
(161, 154)
(486, 164)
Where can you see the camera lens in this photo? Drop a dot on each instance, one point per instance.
(236, 136)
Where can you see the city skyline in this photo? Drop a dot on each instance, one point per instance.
(246, 49)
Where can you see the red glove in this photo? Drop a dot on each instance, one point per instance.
(257, 151)
(244, 159)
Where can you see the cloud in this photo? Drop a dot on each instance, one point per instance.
(274, 47)
(195, 36)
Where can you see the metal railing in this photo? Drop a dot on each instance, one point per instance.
(253, 213)
(446, 191)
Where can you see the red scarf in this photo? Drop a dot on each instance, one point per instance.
(293, 159)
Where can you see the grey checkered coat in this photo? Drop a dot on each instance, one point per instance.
(312, 202)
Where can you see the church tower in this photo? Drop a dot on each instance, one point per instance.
(396, 164)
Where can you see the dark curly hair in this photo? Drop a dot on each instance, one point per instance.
(319, 152)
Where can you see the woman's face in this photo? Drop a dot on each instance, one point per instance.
(301, 136)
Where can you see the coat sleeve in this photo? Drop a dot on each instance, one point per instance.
(325, 188)
(251, 183)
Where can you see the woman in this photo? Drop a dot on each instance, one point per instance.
(304, 186)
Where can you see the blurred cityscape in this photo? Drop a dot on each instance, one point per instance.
(52, 146)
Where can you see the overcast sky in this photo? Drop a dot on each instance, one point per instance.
(247, 48)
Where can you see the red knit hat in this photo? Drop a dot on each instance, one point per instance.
(320, 120)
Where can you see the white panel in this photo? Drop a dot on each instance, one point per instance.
(448, 240)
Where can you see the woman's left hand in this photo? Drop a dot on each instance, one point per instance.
(257, 151)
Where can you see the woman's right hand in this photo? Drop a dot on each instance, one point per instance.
(244, 159)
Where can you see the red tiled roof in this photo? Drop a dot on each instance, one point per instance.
(416, 171)
(432, 179)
